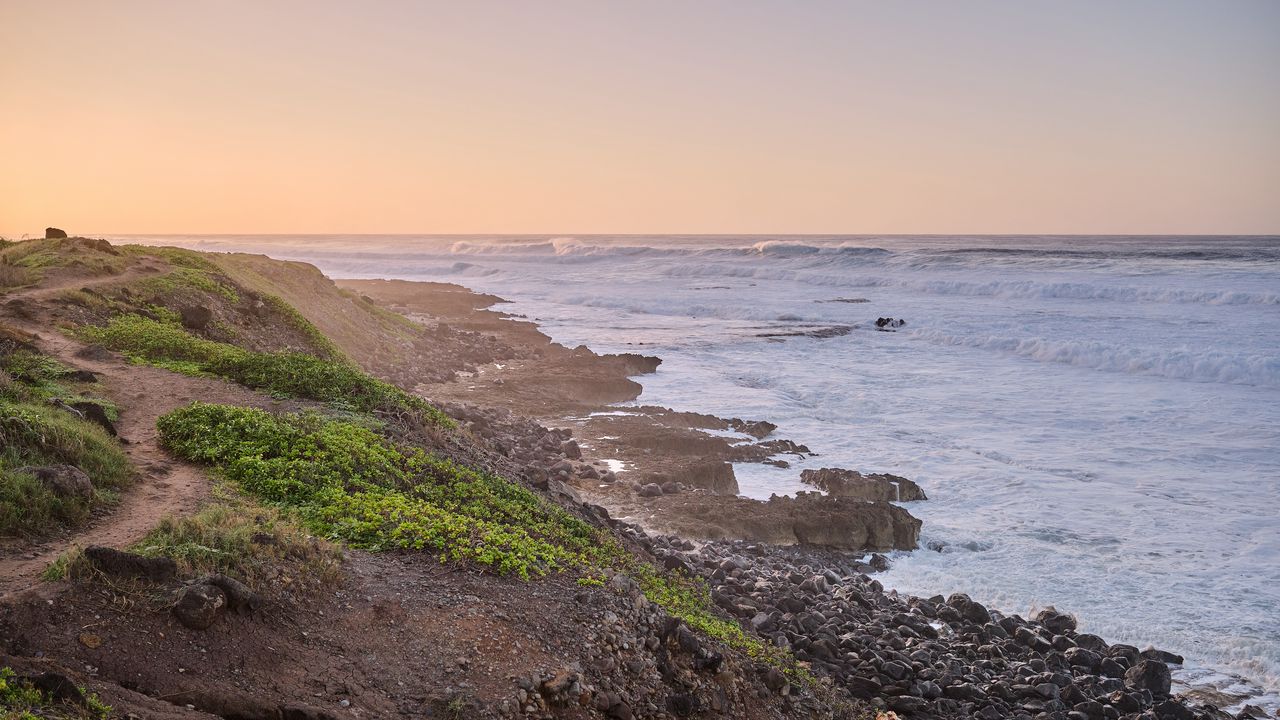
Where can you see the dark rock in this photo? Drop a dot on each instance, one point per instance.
(53, 233)
(1058, 623)
(683, 704)
(94, 413)
(196, 317)
(239, 597)
(197, 606)
(774, 679)
(124, 564)
(62, 480)
(650, 490)
(95, 352)
(1150, 675)
(571, 450)
(58, 688)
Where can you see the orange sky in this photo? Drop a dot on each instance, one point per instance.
(579, 117)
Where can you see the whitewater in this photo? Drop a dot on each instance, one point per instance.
(1096, 420)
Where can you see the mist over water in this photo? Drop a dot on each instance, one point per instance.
(1096, 420)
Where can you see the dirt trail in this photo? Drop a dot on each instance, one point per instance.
(164, 486)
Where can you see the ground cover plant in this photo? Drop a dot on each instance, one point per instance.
(165, 343)
(35, 432)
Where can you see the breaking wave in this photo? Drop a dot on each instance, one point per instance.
(1181, 364)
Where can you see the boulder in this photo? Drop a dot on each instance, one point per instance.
(196, 317)
(62, 480)
(53, 233)
(118, 563)
(570, 449)
(197, 606)
(239, 596)
(650, 490)
(1149, 675)
(94, 413)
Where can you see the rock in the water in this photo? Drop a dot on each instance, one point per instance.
(116, 562)
(53, 233)
(851, 483)
(197, 606)
(62, 480)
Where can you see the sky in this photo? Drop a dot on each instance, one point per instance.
(125, 116)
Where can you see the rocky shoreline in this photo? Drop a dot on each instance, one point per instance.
(798, 570)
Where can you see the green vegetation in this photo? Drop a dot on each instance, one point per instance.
(178, 257)
(94, 256)
(185, 283)
(36, 435)
(230, 535)
(166, 344)
(34, 432)
(19, 700)
(350, 483)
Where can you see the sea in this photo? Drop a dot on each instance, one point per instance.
(1096, 419)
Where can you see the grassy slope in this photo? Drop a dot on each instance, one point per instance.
(341, 471)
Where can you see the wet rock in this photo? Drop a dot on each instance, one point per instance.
(851, 483)
(1149, 675)
(124, 564)
(197, 606)
(1057, 623)
(61, 480)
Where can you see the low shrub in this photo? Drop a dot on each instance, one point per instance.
(166, 344)
(352, 484)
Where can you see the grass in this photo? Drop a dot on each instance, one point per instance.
(33, 432)
(20, 701)
(37, 435)
(166, 344)
(350, 483)
(186, 283)
(44, 254)
(230, 535)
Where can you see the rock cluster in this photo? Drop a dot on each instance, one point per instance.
(931, 657)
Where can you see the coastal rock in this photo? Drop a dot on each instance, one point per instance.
(1149, 675)
(94, 413)
(53, 233)
(62, 480)
(649, 490)
(853, 484)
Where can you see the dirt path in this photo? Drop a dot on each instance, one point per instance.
(164, 486)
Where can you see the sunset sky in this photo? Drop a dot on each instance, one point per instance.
(645, 117)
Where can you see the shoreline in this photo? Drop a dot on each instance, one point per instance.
(627, 434)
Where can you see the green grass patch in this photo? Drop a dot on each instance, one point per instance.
(186, 283)
(350, 483)
(33, 434)
(178, 257)
(285, 374)
(19, 700)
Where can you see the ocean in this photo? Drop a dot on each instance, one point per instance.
(1096, 420)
